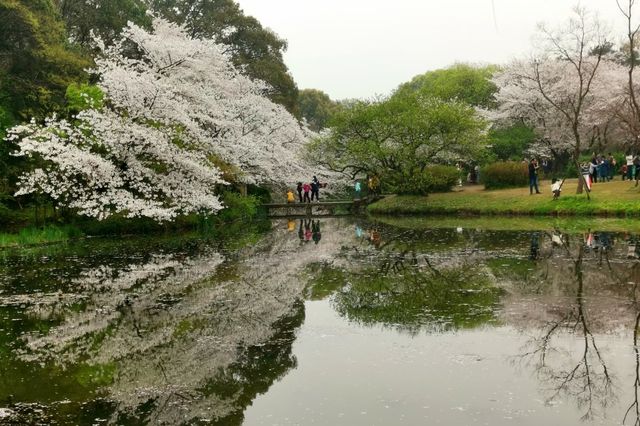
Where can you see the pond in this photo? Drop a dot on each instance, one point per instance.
(330, 322)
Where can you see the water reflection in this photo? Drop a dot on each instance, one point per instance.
(154, 333)
(191, 332)
(311, 231)
(414, 291)
(598, 295)
(410, 292)
(584, 378)
(633, 412)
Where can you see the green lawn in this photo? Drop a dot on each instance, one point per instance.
(615, 198)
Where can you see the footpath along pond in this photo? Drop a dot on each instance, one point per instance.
(328, 322)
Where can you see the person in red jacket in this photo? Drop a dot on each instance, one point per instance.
(306, 188)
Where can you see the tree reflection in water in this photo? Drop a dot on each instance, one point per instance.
(633, 412)
(634, 408)
(184, 336)
(410, 291)
(193, 336)
(588, 381)
(571, 289)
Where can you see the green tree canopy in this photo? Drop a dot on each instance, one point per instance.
(36, 63)
(509, 143)
(105, 18)
(398, 138)
(316, 107)
(463, 82)
(36, 67)
(83, 96)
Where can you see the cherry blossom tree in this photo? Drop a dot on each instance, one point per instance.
(192, 84)
(520, 99)
(630, 113)
(175, 107)
(106, 164)
(562, 91)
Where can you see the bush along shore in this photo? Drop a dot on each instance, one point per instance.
(22, 230)
(609, 199)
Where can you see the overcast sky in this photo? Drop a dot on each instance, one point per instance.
(359, 48)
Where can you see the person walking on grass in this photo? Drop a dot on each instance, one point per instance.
(612, 166)
(593, 168)
(306, 188)
(533, 176)
(629, 159)
(603, 171)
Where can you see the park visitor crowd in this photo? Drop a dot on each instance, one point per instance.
(307, 192)
(600, 168)
(310, 190)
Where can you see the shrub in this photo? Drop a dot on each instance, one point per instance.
(5, 214)
(238, 207)
(83, 96)
(433, 179)
(506, 174)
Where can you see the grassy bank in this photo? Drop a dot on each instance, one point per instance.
(31, 236)
(615, 199)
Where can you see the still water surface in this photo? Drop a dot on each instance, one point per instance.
(327, 322)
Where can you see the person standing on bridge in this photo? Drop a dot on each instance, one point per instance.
(315, 189)
(299, 189)
(374, 184)
(358, 189)
(306, 188)
(318, 186)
